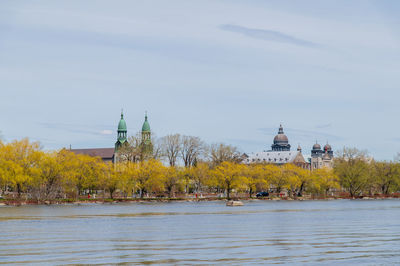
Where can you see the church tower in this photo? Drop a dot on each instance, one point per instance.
(147, 146)
(122, 133)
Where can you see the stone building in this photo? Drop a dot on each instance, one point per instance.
(280, 153)
(321, 158)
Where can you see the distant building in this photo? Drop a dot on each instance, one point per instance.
(111, 154)
(280, 153)
(321, 158)
(106, 154)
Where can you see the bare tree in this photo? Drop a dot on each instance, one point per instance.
(397, 157)
(191, 149)
(130, 151)
(220, 152)
(157, 147)
(171, 147)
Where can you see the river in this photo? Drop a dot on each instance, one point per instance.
(293, 232)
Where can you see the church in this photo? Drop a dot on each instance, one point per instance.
(112, 154)
(281, 153)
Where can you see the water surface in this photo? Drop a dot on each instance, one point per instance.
(293, 232)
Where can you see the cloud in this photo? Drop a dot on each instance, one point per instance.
(267, 35)
(106, 132)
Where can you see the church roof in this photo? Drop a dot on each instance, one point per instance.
(278, 157)
(281, 138)
(122, 124)
(146, 125)
(316, 146)
(104, 153)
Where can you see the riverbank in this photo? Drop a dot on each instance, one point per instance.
(22, 202)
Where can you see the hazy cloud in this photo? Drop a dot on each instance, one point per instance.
(267, 35)
(106, 132)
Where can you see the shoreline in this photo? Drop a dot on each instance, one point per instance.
(17, 202)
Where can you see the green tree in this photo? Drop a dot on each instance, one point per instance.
(353, 170)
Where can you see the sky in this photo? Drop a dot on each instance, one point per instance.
(224, 70)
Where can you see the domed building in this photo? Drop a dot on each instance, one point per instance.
(281, 141)
(321, 158)
(280, 153)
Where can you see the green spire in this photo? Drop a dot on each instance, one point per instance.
(122, 124)
(122, 131)
(146, 125)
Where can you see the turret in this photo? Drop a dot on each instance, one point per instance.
(147, 146)
(122, 132)
(316, 150)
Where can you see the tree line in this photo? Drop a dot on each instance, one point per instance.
(26, 171)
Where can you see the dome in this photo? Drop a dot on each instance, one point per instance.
(281, 138)
(122, 124)
(146, 125)
(327, 147)
(281, 141)
(316, 146)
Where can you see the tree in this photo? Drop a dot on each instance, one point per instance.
(172, 180)
(276, 177)
(324, 179)
(386, 176)
(20, 160)
(86, 171)
(171, 146)
(130, 151)
(126, 173)
(230, 176)
(108, 178)
(255, 177)
(157, 147)
(48, 184)
(150, 176)
(353, 170)
(200, 173)
(191, 149)
(223, 153)
(297, 177)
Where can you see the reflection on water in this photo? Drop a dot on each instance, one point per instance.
(310, 232)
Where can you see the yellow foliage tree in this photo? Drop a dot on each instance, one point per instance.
(200, 174)
(324, 179)
(297, 179)
(230, 176)
(150, 176)
(172, 180)
(256, 178)
(19, 162)
(275, 176)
